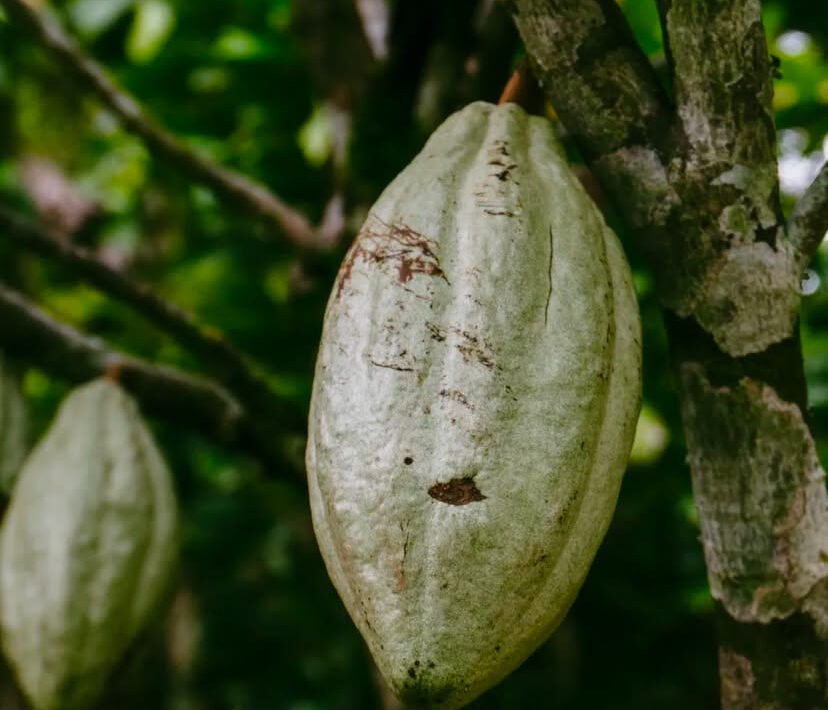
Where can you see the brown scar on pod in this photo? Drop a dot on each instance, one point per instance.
(458, 491)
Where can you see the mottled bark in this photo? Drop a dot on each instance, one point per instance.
(765, 524)
(808, 223)
(706, 217)
(695, 178)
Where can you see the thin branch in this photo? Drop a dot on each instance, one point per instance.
(224, 362)
(375, 16)
(808, 222)
(36, 338)
(522, 89)
(235, 188)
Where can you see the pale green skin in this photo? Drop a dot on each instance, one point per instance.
(13, 426)
(505, 366)
(87, 548)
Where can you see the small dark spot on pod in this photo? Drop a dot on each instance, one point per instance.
(408, 460)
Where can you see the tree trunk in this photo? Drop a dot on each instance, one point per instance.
(695, 178)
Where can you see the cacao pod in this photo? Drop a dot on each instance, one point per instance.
(13, 425)
(86, 549)
(475, 398)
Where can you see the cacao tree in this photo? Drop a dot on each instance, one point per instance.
(208, 213)
(730, 293)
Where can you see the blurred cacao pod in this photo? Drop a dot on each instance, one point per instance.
(13, 425)
(475, 399)
(86, 549)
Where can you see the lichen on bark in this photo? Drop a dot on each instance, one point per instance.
(697, 179)
(737, 680)
(750, 299)
(764, 523)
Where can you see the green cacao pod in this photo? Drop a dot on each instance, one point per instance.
(474, 404)
(86, 549)
(13, 425)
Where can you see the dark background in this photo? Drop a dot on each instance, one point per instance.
(254, 623)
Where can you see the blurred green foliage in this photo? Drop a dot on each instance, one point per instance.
(255, 623)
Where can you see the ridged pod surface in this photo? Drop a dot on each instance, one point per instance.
(475, 399)
(86, 549)
(13, 425)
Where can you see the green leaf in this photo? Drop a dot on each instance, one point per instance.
(92, 17)
(316, 136)
(279, 16)
(208, 80)
(237, 43)
(151, 27)
(651, 437)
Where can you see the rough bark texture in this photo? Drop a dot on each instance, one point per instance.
(698, 182)
(764, 555)
(695, 177)
(808, 223)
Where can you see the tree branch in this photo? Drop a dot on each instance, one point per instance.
(229, 185)
(594, 73)
(706, 221)
(808, 222)
(701, 199)
(31, 335)
(224, 362)
(522, 89)
(607, 95)
(722, 81)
